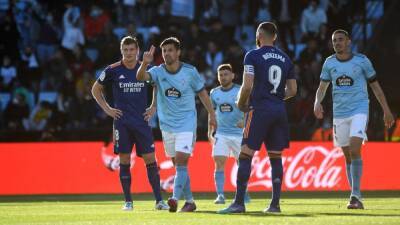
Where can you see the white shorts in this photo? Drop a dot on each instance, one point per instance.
(345, 128)
(227, 146)
(178, 142)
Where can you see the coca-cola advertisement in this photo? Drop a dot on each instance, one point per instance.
(90, 168)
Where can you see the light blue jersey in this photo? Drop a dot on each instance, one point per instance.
(176, 92)
(349, 84)
(228, 114)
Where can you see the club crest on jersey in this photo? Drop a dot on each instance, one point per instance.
(225, 107)
(344, 81)
(173, 93)
(102, 76)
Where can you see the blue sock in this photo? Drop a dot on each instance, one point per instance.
(356, 173)
(154, 179)
(179, 181)
(219, 178)
(277, 174)
(187, 192)
(243, 175)
(348, 173)
(125, 179)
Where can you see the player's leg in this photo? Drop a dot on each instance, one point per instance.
(219, 178)
(123, 147)
(220, 153)
(347, 156)
(277, 139)
(184, 146)
(145, 149)
(234, 144)
(358, 135)
(341, 133)
(253, 136)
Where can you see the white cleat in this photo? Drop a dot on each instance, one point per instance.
(161, 205)
(220, 200)
(128, 206)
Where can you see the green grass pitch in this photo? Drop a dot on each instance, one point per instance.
(300, 208)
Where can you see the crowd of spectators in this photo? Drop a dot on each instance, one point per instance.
(52, 51)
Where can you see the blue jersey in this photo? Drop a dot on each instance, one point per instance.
(227, 113)
(129, 94)
(349, 84)
(176, 93)
(271, 68)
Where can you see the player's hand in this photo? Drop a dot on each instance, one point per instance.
(240, 124)
(149, 113)
(318, 110)
(149, 55)
(211, 139)
(212, 121)
(388, 119)
(244, 108)
(114, 113)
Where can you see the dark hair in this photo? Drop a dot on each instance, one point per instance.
(171, 40)
(269, 28)
(226, 66)
(127, 40)
(341, 31)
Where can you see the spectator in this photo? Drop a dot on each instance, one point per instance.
(15, 112)
(214, 56)
(38, 118)
(50, 36)
(8, 72)
(312, 18)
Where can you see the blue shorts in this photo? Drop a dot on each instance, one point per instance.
(270, 127)
(125, 137)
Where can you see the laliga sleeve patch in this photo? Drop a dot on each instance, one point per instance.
(102, 76)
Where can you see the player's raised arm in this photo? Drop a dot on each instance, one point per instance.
(205, 99)
(387, 114)
(97, 92)
(291, 88)
(319, 96)
(148, 56)
(245, 91)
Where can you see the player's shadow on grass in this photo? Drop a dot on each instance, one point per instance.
(256, 214)
(356, 214)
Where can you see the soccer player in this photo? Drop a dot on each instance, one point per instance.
(349, 74)
(268, 80)
(178, 84)
(228, 136)
(129, 112)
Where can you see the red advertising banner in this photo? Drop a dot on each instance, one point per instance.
(87, 167)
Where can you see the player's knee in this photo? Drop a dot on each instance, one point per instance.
(181, 159)
(149, 158)
(275, 155)
(219, 164)
(244, 155)
(124, 158)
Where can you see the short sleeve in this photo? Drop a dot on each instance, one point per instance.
(153, 71)
(197, 81)
(248, 64)
(212, 92)
(325, 74)
(368, 69)
(105, 76)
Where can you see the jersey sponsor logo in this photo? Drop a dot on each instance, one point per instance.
(344, 81)
(121, 76)
(131, 87)
(173, 93)
(225, 107)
